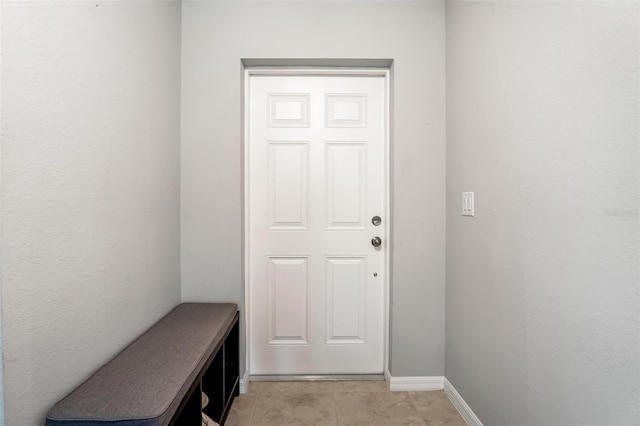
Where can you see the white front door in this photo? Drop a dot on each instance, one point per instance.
(316, 178)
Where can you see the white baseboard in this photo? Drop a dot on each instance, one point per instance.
(415, 383)
(244, 382)
(463, 408)
(387, 377)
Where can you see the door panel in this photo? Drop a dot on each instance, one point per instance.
(346, 300)
(288, 185)
(316, 170)
(346, 185)
(288, 300)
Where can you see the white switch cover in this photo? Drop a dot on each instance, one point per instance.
(467, 204)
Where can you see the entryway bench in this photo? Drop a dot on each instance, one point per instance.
(158, 379)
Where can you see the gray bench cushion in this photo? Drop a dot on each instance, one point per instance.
(145, 383)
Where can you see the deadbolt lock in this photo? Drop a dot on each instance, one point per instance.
(376, 220)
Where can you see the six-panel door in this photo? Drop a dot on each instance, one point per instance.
(316, 171)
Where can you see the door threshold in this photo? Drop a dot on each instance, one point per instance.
(312, 377)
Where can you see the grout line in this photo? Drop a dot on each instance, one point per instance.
(413, 404)
(253, 412)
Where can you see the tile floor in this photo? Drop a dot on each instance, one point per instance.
(339, 403)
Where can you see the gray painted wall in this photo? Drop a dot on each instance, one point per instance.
(89, 196)
(542, 313)
(215, 37)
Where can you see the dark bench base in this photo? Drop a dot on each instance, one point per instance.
(219, 380)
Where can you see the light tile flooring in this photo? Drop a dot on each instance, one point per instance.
(339, 403)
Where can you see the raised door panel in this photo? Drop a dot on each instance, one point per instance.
(346, 300)
(346, 110)
(288, 110)
(346, 185)
(288, 302)
(288, 185)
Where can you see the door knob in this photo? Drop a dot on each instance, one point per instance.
(376, 242)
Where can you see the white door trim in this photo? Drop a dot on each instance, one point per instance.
(331, 71)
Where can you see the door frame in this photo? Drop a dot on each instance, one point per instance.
(246, 208)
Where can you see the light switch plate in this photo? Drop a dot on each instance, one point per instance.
(467, 204)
